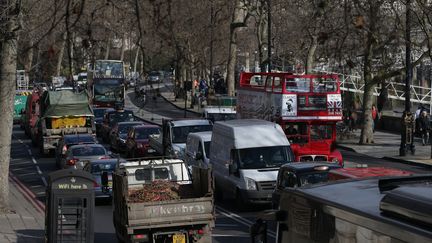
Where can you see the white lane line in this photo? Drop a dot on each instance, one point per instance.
(29, 151)
(44, 181)
(38, 170)
(35, 186)
(40, 193)
(34, 160)
(27, 174)
(241, 220)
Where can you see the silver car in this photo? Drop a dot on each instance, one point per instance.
(79, 155)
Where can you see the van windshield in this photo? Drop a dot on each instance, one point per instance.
(180, 133)
(263, 157)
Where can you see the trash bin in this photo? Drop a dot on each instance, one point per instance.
(69, 207)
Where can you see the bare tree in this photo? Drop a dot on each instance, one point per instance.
(9, 26)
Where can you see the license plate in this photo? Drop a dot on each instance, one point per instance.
(151, 150)
(179, 238)
(110, 184)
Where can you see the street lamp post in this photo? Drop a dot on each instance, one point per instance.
(269, 35)
(407, 120)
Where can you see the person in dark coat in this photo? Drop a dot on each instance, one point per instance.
(424, 127)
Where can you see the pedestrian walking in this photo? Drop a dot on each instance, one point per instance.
(374, 117)
(424, 127)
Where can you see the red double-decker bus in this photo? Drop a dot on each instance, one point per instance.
(306, 106)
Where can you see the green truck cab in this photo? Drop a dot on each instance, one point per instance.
(19, 104)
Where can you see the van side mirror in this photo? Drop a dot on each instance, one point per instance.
(104, 179)
(199, 156)
(233, 168)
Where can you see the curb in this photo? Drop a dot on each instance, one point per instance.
(29, 195)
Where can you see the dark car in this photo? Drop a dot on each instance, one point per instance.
(298, 174)
(154, 77)
(111, 118)
(69, 140)
(119, 134)
(99, 113)
(79, 155)
(137, 142)
(97, 168)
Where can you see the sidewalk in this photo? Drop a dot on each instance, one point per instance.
(386, 145)
(25, 222)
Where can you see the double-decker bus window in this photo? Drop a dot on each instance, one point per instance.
(297, 85)
(320, 132)
(297, 132)
(277, 85)
(324, 85)
(256, 80)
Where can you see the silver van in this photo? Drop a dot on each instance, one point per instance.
(198, 149)
(245, 156)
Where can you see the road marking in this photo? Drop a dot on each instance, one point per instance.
(40, 193)
(44, 181)
(38, 170)
(241, 220)
(35, 186)
(34, 160)
(27, 174)
(29, 151)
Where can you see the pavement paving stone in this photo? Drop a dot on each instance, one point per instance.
(16, 221)
(5, 226)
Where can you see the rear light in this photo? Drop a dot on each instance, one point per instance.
(72, 161)
(139, 145)
(144, 238)
(200, 231)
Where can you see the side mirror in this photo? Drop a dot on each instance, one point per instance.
(199, 156)
(233, 168)
(104, 179)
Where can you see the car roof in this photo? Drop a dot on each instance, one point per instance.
(191, 122)
(120, 111)
(87, 145)
(206, 136)
(129, 123)
(309, 166)
(144, 126)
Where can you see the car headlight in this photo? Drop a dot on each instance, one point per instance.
(335, 160)
(250, 184)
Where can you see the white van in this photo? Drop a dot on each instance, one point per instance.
(198, 149)
(246, 155)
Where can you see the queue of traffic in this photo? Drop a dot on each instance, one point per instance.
(164, 190)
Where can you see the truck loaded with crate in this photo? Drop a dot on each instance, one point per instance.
(156, 200)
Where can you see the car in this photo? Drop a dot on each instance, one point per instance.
(99, 113)
(119, 134)
(97, 168)
(154, 77)
(64, 88)
(137, 141)
(69, 140)
(111, 118)
(79, 155)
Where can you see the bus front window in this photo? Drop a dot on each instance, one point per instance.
(321, 132)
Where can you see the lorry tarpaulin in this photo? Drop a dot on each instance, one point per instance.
(65, 103)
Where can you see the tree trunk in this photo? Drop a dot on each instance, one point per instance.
(107, 50)
(8, 65)
(311, 55)
(29, 57)
(60, 55)
(123, 47)
(239, 18)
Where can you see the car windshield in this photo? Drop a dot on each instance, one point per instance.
(88, 151)
(180, 133)
(313, 178)
(144, 133)
(97, 168)
(263, 157)
(124, 128)
(121, 117)
(79, 139)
